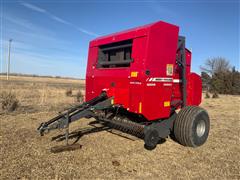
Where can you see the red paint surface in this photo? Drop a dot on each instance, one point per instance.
(154, 46)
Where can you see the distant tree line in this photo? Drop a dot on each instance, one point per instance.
(218, 76)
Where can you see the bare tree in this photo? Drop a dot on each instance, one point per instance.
(216, 65)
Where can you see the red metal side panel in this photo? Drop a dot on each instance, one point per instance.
(92, 57)
(116, 81)
(112, 80)
(137, 84)
(194, 89)
(162, 46)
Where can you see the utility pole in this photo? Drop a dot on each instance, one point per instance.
(9, 53)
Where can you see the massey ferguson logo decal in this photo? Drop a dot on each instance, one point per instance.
(163, 79)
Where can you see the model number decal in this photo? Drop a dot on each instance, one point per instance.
(151, 84)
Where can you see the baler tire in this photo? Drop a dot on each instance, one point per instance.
(151, 139)
(191, 126)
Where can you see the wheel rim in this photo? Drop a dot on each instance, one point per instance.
(201, 128)
(153, 138)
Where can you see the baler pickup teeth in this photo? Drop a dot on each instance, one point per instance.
(125, 125)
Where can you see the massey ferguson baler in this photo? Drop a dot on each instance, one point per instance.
(136, 80)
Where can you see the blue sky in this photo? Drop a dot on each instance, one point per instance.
(51, 37)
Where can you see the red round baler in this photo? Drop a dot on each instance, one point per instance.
(135, 82)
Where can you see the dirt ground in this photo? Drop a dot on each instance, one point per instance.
(105, 155)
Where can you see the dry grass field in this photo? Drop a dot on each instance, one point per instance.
(104, 155)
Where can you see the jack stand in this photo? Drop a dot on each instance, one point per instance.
(67, 147)
(67, 129)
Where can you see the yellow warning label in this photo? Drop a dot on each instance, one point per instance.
(166, 103)
(112, 101)
(134, 74)
(140, 107)
(169, 69)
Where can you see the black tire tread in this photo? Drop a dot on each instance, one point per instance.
(183, 123)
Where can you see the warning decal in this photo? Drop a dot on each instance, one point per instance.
(134, 74)
(169, 69)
